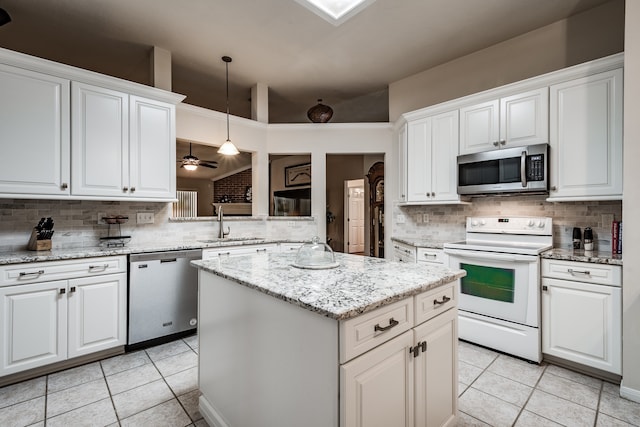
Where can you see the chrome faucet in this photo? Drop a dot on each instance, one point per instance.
(222, 233)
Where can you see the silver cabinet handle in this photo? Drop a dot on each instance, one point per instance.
(261, 250)
(93, 268)
(72, 289)
(125, 189)
(392, 323)
(64, 186)
(574, 272)
(430, 255)
(63, 291)
(503, 142)
(444, 300)
(495, 143)
(133, 189)
(433, 194)
(34, 273)
(224, 253)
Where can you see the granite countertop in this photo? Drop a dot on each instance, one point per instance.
(18, 257)
(420, 242)
(580, 255)
(358, 285)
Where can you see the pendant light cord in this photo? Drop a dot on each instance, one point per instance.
(226, 59)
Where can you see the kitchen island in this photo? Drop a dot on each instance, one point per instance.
(369, 343)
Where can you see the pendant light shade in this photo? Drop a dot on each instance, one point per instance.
(228, 148)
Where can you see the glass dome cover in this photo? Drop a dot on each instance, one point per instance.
(315, 255)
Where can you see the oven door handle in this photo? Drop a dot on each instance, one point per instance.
(491, 256)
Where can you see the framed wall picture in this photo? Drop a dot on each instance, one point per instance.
(295, 176)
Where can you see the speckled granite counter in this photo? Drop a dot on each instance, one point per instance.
(420, 242)
(580, 255)
(358, 285)
(18, 257)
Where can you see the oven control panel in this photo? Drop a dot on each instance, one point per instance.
(510, 225)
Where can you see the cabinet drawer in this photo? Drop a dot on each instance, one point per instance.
(435, 256)
(18, 274)
(237, 250)
(431, 303)
(403, 253)
(369, 330)
(601, 274)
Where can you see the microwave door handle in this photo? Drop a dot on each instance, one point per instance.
(523, 169)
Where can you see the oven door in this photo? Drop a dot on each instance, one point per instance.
(502, 286)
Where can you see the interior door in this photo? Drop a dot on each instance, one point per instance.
(355, 216)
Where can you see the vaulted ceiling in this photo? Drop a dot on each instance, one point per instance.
(280, 43)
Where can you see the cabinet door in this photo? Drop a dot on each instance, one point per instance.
(524, 118)
(436, 371)
(97, 313)
(152, 149)
(479, 127)
(418, 160)
(444, 150)
(402, 164)
(100, 141)
(34, 127)
(586, 138)
(33, 320)
(582, 323)
(376, 389)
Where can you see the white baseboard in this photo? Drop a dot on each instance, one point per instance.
(209, 414)
(629, 393)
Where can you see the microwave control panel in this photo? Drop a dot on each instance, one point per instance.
(535, 167)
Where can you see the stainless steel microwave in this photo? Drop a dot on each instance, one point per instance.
(507, 170)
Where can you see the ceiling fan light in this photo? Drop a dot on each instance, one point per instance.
(228, 149)
(190, 167)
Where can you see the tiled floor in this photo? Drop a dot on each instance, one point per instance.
(153, 387)
(158, 387)
(498, 390)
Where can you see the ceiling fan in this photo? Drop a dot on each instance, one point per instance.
(191, 162)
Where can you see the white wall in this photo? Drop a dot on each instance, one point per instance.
(630, 207)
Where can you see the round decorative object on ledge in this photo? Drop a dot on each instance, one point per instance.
(320, 113)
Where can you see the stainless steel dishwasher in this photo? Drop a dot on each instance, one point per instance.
(163, 296)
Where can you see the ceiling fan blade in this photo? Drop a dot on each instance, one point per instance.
(206, 165)
(215, 162)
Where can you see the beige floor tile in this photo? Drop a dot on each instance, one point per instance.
(183, 382)
(141, 398)
(75, 397)
(132, 378)
(26, 390)
(462, 387)
(467, 373)
(465, 420)
(165, 350)
(190, 403)
(116, 364)
(611, 388)
(503, 388)
(517, 370)
(178, 363)
(73, 377)
(570, 390)
(487, 408)
(562, 411)
(24, 413)
(167, 414)
(474, 355)
(605, 420)
(99, 413)
(192, 341)
(201, 423)
(529, 419)
(620, 408)
(574, 376)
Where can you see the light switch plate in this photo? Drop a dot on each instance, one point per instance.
(145, 218)
(425, 218)
(400, 219)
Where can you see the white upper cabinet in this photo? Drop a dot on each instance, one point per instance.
(402, 163)
(152, 142)
(586, 138)
(100, 147)
(516, 120)
(432, 147)
(34, 133)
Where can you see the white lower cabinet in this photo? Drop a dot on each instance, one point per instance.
(410, 380)
(211, 253)
(46, 321)
(582, 321)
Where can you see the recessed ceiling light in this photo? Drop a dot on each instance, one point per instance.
(335, 11)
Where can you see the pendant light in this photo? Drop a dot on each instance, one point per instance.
(228, 148)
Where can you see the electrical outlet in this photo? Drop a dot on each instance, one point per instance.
(145, 218)
(400, 219)
(425, 218)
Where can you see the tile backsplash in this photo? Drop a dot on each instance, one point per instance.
(77, 225)
(447, 222)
